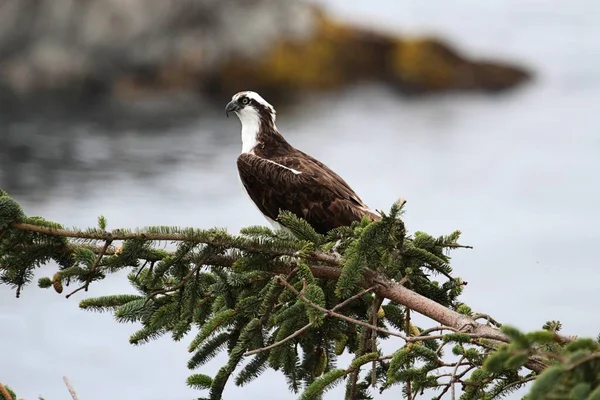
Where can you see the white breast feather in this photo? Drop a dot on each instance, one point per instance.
(250, 126)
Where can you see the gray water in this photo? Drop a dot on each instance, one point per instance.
(517, 173)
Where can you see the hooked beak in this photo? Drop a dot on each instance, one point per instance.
(232, 106)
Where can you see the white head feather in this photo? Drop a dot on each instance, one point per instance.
(250, 119)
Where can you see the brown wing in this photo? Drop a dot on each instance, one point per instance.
(302, 185)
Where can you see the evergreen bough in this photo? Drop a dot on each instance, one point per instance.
(294, 302)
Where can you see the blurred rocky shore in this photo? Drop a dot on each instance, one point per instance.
(135, 49)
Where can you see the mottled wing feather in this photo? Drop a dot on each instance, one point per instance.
(316, 194)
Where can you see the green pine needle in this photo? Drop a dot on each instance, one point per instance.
(108, 303)
(199, 381)
(322, 384)
(219, 321)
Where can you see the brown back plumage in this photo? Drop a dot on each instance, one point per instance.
(278, 176)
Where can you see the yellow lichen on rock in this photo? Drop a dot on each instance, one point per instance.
(338, 54)
(308, 64)
(419, 62)
(430, 65)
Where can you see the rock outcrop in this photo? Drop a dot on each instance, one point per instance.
(132, 48)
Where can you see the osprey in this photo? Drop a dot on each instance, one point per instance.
(278, 176)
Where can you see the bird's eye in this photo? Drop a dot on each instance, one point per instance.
(244, 100)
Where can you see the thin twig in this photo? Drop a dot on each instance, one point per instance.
(181, 283)
(80, 288)
(456, 246)
(453, 377)
(282, 341)
(583, 360)
(377, 301)
(438, 329)
(520, 381)
(488, 318)
(70, 388)
(93, 269)
(307, 326)
(457, 379)
(96, 263)
(332, 313)
(141, 268)
(265, 316)
(351, 299)
(407, 330)
(354, 377)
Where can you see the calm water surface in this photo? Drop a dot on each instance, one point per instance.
(517, 173)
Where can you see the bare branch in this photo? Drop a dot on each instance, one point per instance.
(351, 299)
(5, 393)
(488, 318)
(456, 246)
(457, 378)
(70, 388)
(377, 301)
(407, 330)
(453, 377)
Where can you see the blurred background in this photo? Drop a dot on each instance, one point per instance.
(483, 115)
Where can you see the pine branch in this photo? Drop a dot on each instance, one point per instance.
(326, 381)
(332, 313)
(220, 283)
(309, 325)
(154, 236)
(390, 290)
(92, 269)
(331, 271)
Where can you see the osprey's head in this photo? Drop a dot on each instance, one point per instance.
(257, 118)
(251, 108)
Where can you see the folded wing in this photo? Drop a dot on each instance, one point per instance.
(302, 185)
